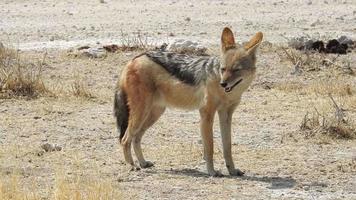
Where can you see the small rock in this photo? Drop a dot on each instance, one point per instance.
(317, 22)
(187, 46)
(40, 153)
(94, 52)
(187, 19)
(51, 147)
(333, 46)
(83, 47)
(111, 48)
(298, 42)
(345, 40)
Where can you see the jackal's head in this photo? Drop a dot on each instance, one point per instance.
(238, 62)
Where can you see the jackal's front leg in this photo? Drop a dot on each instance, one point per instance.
(225, 117)
(206, 129)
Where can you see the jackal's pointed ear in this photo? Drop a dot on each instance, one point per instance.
(227, 39)
(252, 45)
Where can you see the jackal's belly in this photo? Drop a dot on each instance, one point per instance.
(180, 95)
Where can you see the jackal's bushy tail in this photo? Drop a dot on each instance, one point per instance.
(121, 111)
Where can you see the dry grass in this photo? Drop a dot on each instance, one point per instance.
(332, 124)
(336, 87)
(308, 61)
(80, 89)
(19, 78)
(64, 189)
(137, 42)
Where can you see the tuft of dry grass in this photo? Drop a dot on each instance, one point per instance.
(64, 189)
(334, 125)
(80, 89)
(11, 189)
(18, 78)
(137, 42)
(335, 87)
(89, 190)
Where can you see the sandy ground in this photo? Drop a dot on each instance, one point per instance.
(59, 24)
(267, 142)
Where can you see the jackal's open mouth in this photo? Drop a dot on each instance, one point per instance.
(228, 89)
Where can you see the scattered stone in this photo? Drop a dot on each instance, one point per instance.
(40, 153)
(83, 47)
(94, 52)
(345, 40)
(187, 46)
(334, 46)
(187, 19)
(50, 147)
(317, 22)
(316, 46)
(339, 46)
(298, 42)
(111, 48)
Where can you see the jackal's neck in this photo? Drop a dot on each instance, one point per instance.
(212, 67)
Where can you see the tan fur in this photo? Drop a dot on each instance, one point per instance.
(150, 89)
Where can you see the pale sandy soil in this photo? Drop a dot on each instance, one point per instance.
(32, 24)
(267, 142)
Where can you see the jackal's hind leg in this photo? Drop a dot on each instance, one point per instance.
(154, 115)
(139, 112)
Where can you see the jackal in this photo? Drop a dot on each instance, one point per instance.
(154, 80)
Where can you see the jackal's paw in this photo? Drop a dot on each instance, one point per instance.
(214, 173)
(236, 172)
(135, 168)
(146, 164)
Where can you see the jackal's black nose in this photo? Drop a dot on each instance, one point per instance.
(223, 84)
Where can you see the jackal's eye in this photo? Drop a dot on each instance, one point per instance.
(236, 70)
(223, 69)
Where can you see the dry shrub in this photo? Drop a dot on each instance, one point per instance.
(308, 61)
(137, 42)
(334, 125)
(80, 89)
(18, 78)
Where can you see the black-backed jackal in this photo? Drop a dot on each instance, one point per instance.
(155, 80)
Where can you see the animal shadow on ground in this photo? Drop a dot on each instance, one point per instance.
(275, 181)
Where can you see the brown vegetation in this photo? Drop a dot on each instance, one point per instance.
(20, 78)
